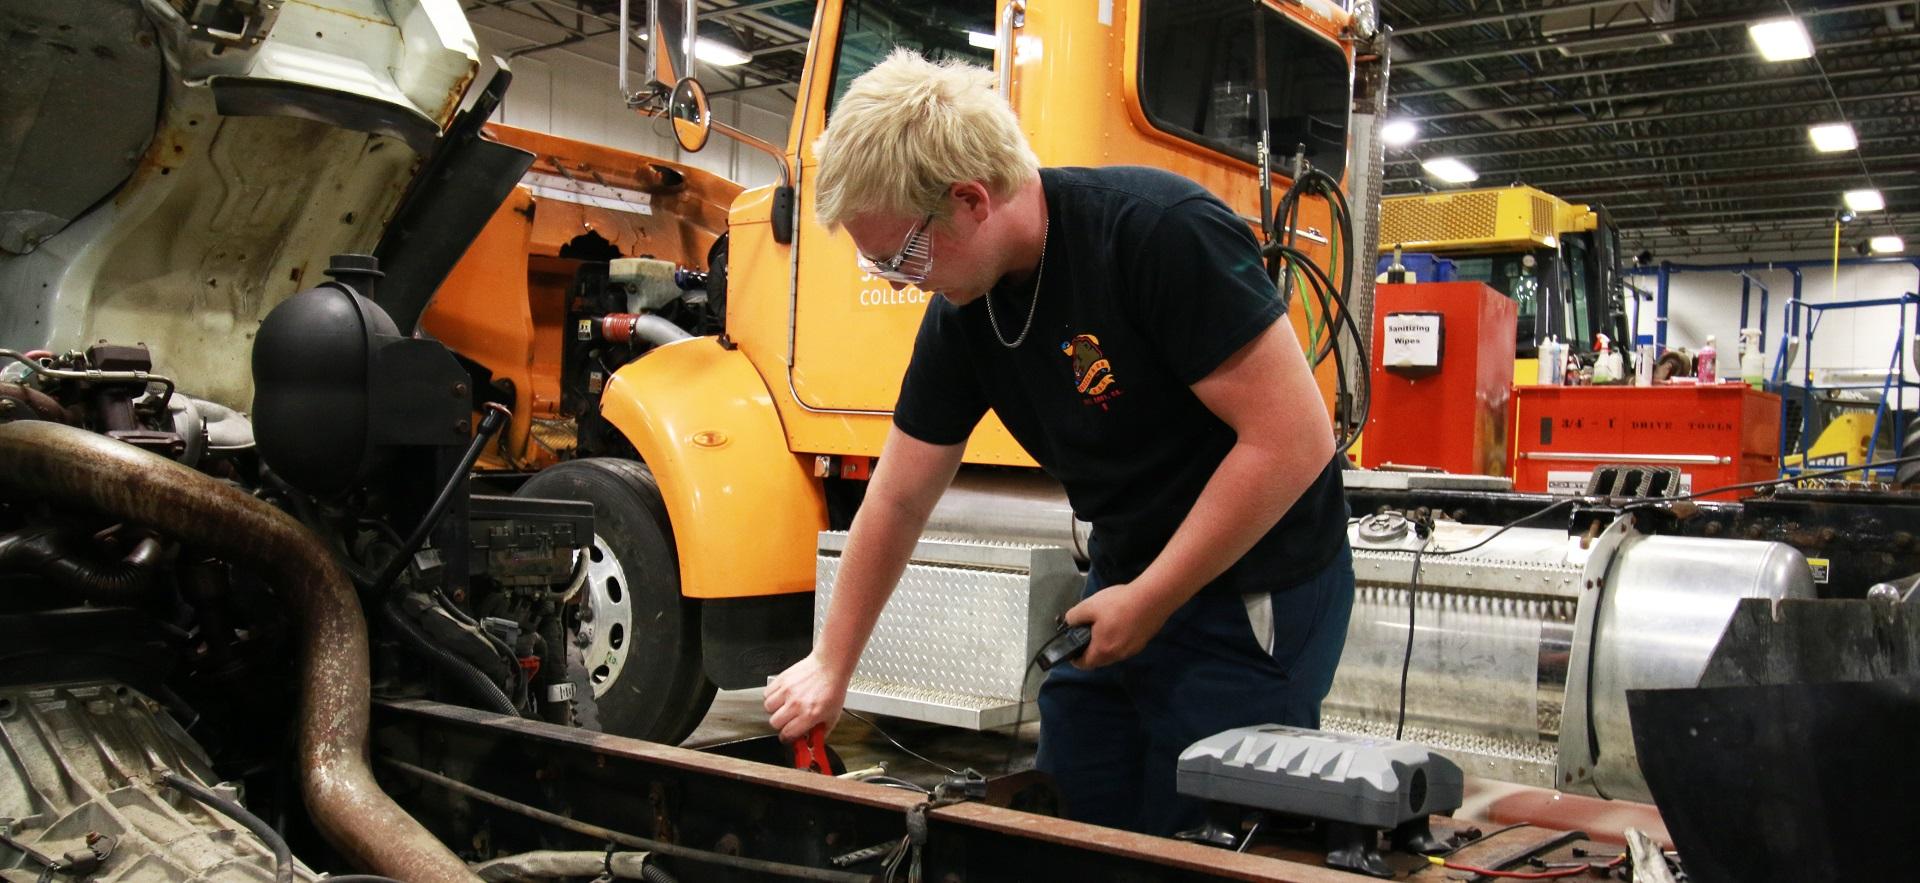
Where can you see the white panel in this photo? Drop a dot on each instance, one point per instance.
(1709, 303)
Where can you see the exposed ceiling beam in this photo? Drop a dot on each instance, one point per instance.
(1745, 179)
(1622, 209)
(1564, 103)
(1667, 64)
(744, 8)
(1695, 135)
(1467, 21)
(1661, 117)
(1797, 144)
(1684, 26)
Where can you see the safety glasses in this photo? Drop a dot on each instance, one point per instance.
(911, 264)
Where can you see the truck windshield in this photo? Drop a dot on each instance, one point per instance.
(1200, 61)
(1525, 277)
(869, 29)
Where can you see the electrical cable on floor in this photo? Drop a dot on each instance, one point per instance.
(896, 742)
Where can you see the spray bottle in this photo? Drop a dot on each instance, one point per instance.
(1705, 366)
(1753, 362)
(1608, 367)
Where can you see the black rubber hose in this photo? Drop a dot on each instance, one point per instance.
(489, 424)
(655, 874)
(282, 855)
(476, 683)
(46, 552)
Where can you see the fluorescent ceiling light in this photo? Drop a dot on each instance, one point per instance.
(979, 40)
(1865, 200)
(1886, 244)
(1399, 133)
(1450, 170)
(717, 53)
(1833, 137)
(1781, 39)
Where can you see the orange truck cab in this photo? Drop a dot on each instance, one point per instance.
(724, 452)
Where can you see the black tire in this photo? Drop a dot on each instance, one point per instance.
(1908, 475)
(655, 687)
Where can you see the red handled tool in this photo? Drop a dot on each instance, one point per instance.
(811, 753)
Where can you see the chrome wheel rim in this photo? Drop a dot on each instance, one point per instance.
(606, 618)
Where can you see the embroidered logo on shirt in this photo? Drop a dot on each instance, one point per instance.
(1092, 373)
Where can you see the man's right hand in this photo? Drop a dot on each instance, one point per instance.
(808, 694)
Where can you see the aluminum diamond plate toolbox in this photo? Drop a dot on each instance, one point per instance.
(954, 643)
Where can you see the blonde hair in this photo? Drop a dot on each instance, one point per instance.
(908, 129)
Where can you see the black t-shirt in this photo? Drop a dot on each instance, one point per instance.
(1150, 283)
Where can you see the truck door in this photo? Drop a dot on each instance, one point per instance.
(842, 311)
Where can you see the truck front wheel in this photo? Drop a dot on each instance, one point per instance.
(639, 640)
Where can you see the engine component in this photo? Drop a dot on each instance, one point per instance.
(626, 328)
(1360, 785)
(83, 763)
(338, 386)
(1321, 775)
(88, 470)
(108, 385)
(209, 429)
(24, 402)
(72, 566)
(529, 542)
(1527, 645)
(650, 283)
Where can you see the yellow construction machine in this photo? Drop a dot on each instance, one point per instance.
(1559, 261)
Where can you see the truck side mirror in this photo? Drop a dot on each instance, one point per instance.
(692, 117)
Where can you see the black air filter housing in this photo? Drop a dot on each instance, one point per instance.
(336, 386)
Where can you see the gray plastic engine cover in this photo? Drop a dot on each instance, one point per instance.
(1379, 783)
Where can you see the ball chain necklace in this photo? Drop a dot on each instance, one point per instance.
(994, 319)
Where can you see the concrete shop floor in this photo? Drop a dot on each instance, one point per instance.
(737, 714)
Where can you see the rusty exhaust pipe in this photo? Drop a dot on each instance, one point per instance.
(67, 464)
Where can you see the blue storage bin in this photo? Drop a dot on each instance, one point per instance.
(1424, 267)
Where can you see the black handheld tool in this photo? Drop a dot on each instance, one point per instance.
(1068, 644)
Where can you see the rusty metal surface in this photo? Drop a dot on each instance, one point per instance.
(783, 814)
(73, 466)
(20, 402)
(1506, 847)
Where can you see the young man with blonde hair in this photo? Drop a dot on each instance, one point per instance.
(1120, 324)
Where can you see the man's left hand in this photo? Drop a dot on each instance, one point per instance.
(1124, 618)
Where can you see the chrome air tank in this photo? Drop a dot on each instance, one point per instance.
(1524, 647)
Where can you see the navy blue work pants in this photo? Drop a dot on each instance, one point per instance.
(1111, 737)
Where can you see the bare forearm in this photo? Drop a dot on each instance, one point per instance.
(878, 549)
(906, 485)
